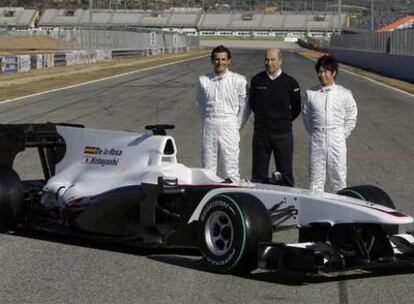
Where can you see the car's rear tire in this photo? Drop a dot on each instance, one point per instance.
(231, 226)
(11, 198)
(374, 195)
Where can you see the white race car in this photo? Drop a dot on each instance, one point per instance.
(129, 188)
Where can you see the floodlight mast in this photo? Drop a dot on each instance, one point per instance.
(372, 15)
(339, 16)
(90, 13)
(90, 23)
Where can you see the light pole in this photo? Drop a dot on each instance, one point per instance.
(90, 13)
(339, 16)
(90, 23)
(372, 15)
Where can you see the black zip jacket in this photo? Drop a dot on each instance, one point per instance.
(275, 103)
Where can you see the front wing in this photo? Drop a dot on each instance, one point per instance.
(321, 258)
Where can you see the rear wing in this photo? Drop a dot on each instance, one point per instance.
(15, 138)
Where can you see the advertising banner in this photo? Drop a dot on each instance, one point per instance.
(92, 56)
(49, 60)
(8, 64)
(39, 61)
(99, 55)
(34, 61)
(107, 54)
(23, 63)
(83, 57)
(70, 58)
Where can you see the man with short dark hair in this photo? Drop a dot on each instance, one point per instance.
(222, 102)
(275, 101)
(329, 115)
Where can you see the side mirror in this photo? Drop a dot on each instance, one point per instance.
(159, 129)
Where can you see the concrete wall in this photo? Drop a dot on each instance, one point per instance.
(396, 66)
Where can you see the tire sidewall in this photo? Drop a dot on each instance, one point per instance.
(230, 259)
(373, 194)
(11, 198)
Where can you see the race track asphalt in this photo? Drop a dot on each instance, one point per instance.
(46, 270)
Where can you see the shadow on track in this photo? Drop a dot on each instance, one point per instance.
(190, 258)
(102, 244)
(300, 279)
(288, 278)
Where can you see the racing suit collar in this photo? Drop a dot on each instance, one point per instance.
(327, 88)
(214, 76)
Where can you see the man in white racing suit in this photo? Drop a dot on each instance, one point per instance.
(223, 104)
(329, 115)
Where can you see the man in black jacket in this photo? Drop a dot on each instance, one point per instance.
(275, 101)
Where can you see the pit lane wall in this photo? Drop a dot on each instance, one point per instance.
(395, 66)
(390, 54)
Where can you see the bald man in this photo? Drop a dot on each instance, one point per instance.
(275, 101)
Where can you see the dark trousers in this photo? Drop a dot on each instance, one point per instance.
(282, 147)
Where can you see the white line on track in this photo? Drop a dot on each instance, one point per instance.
(101, 79)
(379, 83)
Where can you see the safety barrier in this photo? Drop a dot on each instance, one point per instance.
(395, 66)
(89, 46)
(398, 66)
(400, 42)
(8, 64)
(25, 63)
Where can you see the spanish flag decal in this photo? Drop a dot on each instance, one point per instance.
(89, 150)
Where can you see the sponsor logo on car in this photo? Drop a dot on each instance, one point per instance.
(89, 150)
(106, 156)
(92, 160)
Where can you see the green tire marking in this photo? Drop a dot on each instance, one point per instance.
(359, 195)
(244, 229)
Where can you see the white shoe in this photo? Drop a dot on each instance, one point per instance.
(242, 182)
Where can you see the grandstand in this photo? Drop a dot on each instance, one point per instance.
(184, 19)
(195, 20)
(189, 22)
(154, 19)
(245, 21)
(215, 22)
(296, 22)
(100, 18)
(401, 24)
(18, 17)
(123, 17)
(270, 22)
(205, 23)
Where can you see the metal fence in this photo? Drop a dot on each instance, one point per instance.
(152, 41)
(399, 42)
(158, 41)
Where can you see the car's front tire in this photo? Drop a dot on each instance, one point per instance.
(374, 195)
(231, 226)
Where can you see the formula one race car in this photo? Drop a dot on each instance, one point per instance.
(129, 188)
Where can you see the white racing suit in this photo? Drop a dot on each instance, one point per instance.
(223, 105)
(329, 115)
